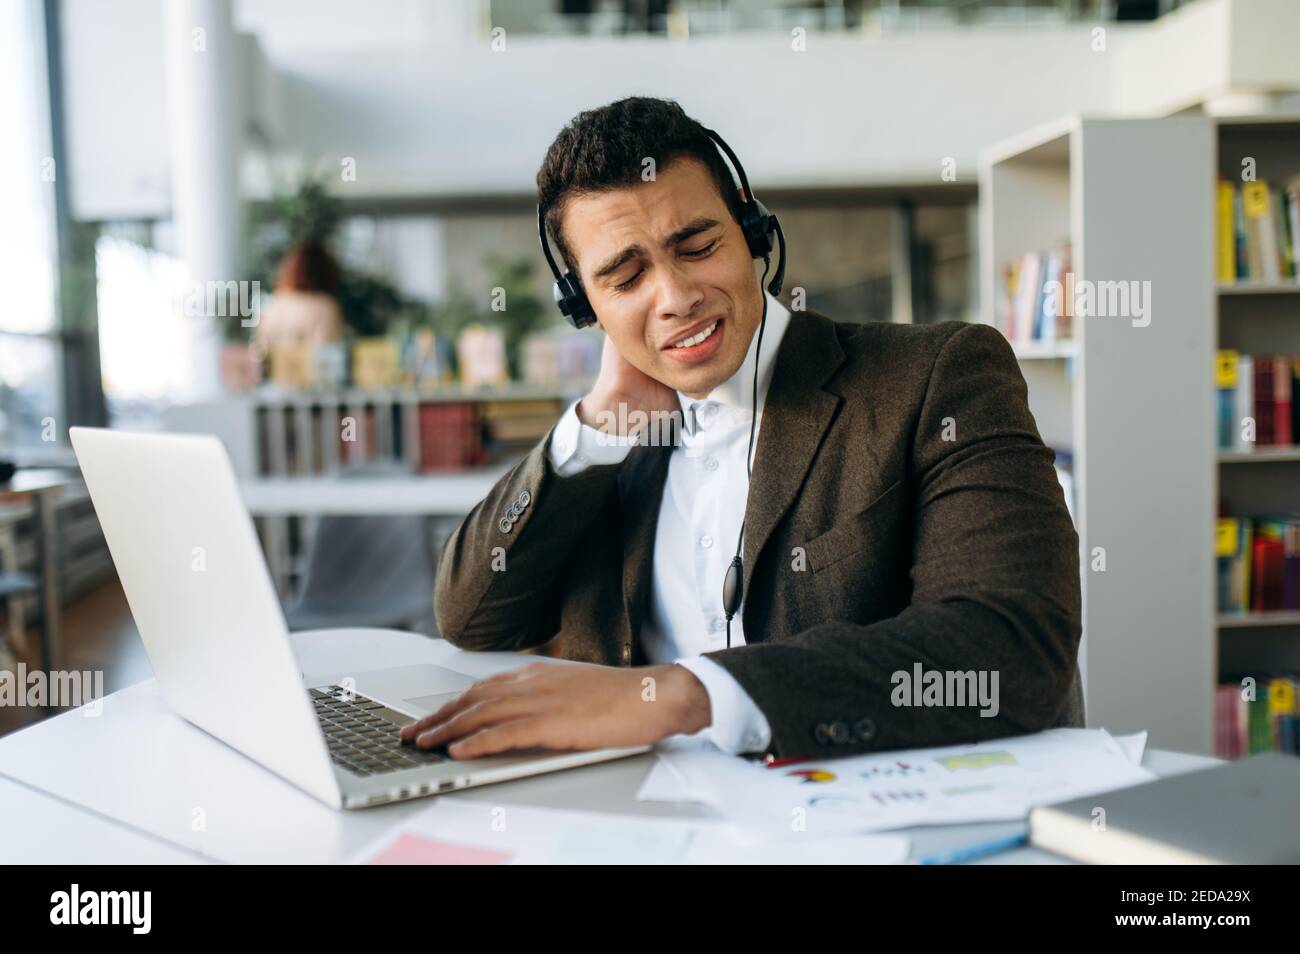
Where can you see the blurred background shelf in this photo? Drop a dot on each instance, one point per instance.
(1261, 619)
(1261, 455)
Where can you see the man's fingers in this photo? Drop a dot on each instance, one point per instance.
(488, 712)
(482, 689)
(519, 734)
(475, 695)
(412, 729)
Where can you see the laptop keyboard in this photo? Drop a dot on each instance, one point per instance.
(362, 734)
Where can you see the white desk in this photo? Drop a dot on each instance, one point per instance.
(41, 829)
(149, 770)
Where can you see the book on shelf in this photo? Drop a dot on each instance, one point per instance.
(376, 363)
(1258, 563)
(1257, 232)
(293, 366)
(1038, 297)
(451, 436)
(481, 352)
(556, 357)
(1257, 713)
(515, 426)
(1254, 400)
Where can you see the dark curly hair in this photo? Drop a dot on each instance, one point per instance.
(603, 149)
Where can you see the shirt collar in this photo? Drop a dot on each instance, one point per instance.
(736, 391)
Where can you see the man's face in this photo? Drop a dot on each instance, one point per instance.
(662, 262)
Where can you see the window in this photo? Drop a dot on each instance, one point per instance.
(30, 353)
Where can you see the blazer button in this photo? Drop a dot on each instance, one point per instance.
(821, 735)
(505, 525)
(516, 509)
(525, 498)
(839, 733)
(866, 730)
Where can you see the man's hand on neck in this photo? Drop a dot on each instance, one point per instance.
(620, 390)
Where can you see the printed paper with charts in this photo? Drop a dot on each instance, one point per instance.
(989, 781)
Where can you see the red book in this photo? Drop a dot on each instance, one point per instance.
(1266, 574)
(1265, 400)
(451, 437)
(1281, 400)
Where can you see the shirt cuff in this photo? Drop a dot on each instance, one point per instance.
(575, 446)
(738, 723)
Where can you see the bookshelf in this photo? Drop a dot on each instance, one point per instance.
(1258, 318)
(1129, 403)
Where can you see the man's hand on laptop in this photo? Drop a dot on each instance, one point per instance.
(543, 705)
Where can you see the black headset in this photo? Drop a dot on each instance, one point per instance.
(758, 226)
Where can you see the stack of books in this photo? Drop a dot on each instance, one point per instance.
(451, 437)
(512, 428)
(1258, 564)
(439, 431)
(1255, 714)
(1258, 228)
(1254, 400)
(1037, 303)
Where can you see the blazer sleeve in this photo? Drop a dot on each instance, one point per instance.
(496, 586)
(995, 584)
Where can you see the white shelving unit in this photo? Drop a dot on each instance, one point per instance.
(1131, 403)
(1258, 318)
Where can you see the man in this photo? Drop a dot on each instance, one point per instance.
(905, 536)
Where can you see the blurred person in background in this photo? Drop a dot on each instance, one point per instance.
(304, 308)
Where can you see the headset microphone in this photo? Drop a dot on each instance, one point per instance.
(758, 226)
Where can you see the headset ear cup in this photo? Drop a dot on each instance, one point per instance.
(758, 225)
(571, 298)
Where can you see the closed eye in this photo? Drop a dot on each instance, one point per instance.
(701, 252)
(696, 253)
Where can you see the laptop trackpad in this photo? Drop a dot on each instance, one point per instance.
(416, 690)
(424, 705)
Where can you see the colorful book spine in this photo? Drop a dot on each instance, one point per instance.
(1282, 409)
(1257, 713)
(1225, 387)
(1226, 239)
(1244, 438)
(1265, 426)
(1257, 232)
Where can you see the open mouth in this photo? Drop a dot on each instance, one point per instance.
(699, 345)
(700, 336)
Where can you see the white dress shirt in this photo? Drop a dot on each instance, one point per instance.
(699, 521)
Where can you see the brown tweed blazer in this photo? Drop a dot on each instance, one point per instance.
(903, 511)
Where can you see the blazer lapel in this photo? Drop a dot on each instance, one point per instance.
(795, 417)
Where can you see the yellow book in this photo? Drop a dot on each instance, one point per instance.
(1281, 697)
(1225, 369)
(293, 366)
(1261, 232)
(1226, 246)
(376, 364)
(1225, 537)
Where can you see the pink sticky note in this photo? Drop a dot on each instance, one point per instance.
(417, 850)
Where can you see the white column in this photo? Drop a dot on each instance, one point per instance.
(205, 136)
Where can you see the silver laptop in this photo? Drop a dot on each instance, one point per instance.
(190, 563)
